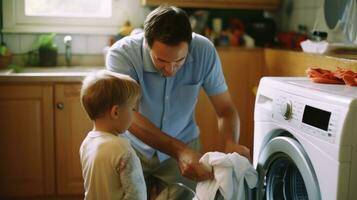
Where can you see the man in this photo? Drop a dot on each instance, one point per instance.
(171, 64)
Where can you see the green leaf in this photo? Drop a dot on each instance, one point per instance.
(31, 58)
(16, 68)
(3, 50)
(46, 41)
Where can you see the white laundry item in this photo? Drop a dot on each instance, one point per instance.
(322, 47)
(310, 46)
(230, 171)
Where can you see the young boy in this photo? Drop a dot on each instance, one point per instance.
(110, 166)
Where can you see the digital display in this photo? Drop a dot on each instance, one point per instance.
(316, 117)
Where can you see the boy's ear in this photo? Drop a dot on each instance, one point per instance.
(114, 112)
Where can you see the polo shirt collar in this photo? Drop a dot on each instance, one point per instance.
(149, 66)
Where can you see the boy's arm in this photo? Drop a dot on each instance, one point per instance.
(131, 177)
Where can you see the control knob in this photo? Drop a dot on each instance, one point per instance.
(287, 110)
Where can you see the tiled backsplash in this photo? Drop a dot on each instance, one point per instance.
(304, 13)
(293, 13)
(81, 44)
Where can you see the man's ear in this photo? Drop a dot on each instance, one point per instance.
(114, 112)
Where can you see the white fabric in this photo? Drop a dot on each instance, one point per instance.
(111, 169)
(326, 47)
(314, 47)
(230, 171)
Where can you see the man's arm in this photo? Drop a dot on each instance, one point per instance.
(187, 159)
(228, 123)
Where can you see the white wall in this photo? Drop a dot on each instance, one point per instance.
(310, 13)
(293, 13)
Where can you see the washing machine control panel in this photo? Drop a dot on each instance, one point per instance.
(307, 116)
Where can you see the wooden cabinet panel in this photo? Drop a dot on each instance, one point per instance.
(72, 125)
(43, 127)
(292, 63)
(26, 140)
(241, 4)
(242, 69)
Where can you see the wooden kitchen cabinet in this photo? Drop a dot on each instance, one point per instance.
(42, 127)
(72, 125)
(229, 4)
(243, 69)
(26, 140)
(294, 63)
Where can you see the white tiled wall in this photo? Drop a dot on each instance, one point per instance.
(293, 13)
(96, 44)
(304, 13)
(81, 44)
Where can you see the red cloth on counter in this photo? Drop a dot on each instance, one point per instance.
(340, 76)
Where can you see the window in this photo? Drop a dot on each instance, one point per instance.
(68, 8)
(71, 16)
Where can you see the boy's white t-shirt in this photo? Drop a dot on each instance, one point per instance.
(111, 169)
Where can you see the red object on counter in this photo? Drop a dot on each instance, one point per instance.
(237, 30)
(290, 40)
(340, 76)
(348, 76)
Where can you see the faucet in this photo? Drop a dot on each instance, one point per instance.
(68, 54)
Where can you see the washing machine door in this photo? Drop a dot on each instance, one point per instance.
(285, 172)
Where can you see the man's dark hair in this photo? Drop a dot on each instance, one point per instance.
(169, 25)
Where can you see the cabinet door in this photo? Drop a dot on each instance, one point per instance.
(26, 140)
(72, 125)
(242, 69)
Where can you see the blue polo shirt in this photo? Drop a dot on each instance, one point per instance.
(168, 102)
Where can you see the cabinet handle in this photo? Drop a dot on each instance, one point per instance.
(60, 106)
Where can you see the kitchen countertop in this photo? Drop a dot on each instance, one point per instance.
(277, 62)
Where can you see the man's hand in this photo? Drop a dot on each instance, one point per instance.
(242, 150)
(190, 167)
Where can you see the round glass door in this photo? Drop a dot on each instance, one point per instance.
(284, 181)
(285, 172)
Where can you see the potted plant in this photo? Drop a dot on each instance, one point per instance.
(47, 50)
(5, 56)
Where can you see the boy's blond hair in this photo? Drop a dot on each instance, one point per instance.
(103, 89)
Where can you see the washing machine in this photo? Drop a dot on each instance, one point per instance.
(305, 140)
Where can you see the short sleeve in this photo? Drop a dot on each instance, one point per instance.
(120, 59)
(214, 82)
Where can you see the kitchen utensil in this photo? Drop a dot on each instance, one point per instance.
(263, 31)
(180, 188)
